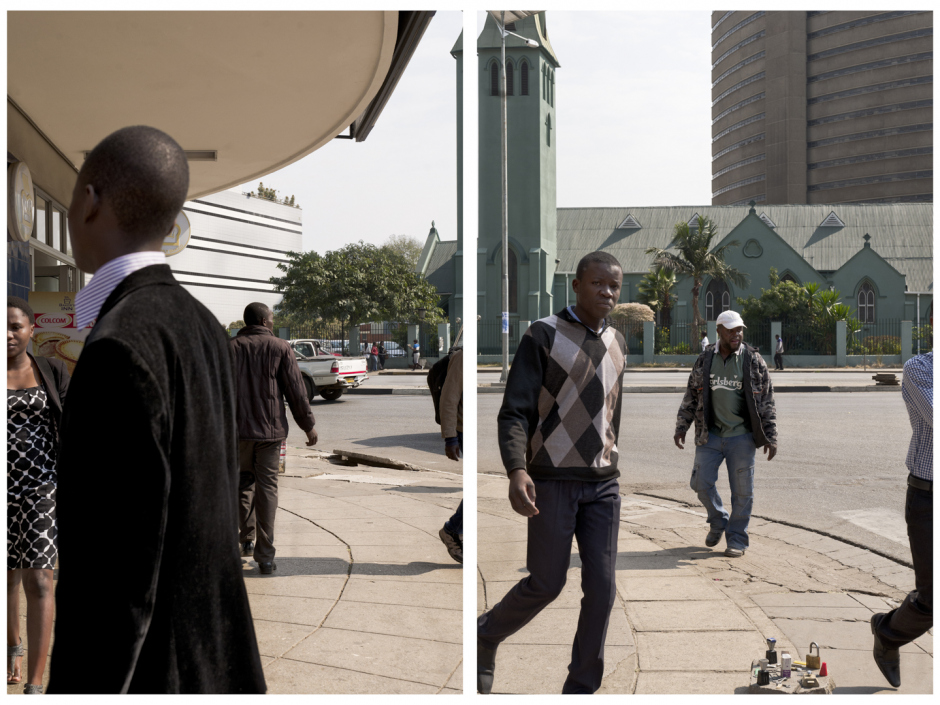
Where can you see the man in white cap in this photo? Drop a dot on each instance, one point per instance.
(734, 415)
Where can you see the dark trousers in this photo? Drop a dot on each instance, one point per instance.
(455, 523)
(778, 360)
(915, 615)
(591, 512)
(257, 495)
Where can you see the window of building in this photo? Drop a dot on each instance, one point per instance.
(494, 79)
(510, 78)
(548, 130)
(788, 278)
(866, 303)
(717, 299)
(524, 76)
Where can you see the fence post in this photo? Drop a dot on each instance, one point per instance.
(907, 340)
(443, 331)
(841, 335)
(712, 333)
(649, 338)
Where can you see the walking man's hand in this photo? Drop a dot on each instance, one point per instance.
(679, 439)
(452, 452)
(770, 451)
(522, 493)
(312, 437)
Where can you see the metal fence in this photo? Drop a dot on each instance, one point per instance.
(757, 335)
(394, 336)
(882, 337)
(490, 337)
(923, 334)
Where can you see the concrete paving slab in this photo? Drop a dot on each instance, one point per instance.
(312, 537)
(398, 620)
(699, 651)
(647, 564)
(416, 660)
(667, 587)
(805, 599)
(500, 534)
(297, 677)
(687, 615)
(430, 525)
(335, 552)
(406, 536)
(427, 550)
(855, 673)
(298, 586)
(661, 519)
(878, 604)
(415, 594)
(689, 683)
(542, 669)
(821, 614)
(629, 544)
(488, 521)
(441, 514)
(343, 526)
(298, 565)
(503, 570)
(833, 635)
(347, 510)
(558, 626)
(569, 598)
(506, 551)
(310, 611)
(277, 638)
(418, 572)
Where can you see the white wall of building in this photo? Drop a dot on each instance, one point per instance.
(236, 244)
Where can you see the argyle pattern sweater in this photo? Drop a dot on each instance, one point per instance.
(560, 417)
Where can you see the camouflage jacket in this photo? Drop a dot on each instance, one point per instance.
(758, 396)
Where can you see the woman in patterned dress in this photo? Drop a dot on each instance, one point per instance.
(36, 390)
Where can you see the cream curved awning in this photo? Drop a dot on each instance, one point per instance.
(259, 89)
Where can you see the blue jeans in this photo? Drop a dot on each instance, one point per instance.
(738, 453)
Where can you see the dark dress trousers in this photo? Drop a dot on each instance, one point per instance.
(151, 597)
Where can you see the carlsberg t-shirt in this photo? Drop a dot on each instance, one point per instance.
(729, 412)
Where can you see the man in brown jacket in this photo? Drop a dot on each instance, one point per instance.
(265, 372)
(452, 433)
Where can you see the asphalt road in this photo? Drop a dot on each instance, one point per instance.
(840, 467)
(396, 426)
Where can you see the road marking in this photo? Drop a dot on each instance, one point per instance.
(885, 522)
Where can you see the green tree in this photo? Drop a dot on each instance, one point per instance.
(696, 259)
(407, 246)
(359, 283)
(655, 290)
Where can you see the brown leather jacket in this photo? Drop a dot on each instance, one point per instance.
(265, 372)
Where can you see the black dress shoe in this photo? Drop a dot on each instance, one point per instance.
(267, 568)
(888, 660)
(486, 667)
(248, 547)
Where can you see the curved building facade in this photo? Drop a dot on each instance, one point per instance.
(822, 107)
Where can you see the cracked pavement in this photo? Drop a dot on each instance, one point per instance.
(689, 620)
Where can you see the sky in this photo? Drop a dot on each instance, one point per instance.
(403, 176)
(633, 101)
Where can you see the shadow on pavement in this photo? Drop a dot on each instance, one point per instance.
(337, 566)
(423, 489)
(433, 441)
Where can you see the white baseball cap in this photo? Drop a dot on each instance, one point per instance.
(730, 319)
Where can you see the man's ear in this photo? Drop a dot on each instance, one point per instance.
(90, 204)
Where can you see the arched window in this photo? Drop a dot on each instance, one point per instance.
(524, 71)
(866, 303)
(717, 299)
(548, 130)
(545, 82)
(513, 283)
(510, 78)
(494, 79)
(788, 278)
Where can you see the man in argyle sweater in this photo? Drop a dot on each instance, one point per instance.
(558, 430)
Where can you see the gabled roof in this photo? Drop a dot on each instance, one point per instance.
(902, 233)
(440, 271)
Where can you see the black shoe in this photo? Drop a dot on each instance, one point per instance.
(713, 538)
(486, 667)
(267, 568)
(451, 539)
(888, 660)
(248, 548)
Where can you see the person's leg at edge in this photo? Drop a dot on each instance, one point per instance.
(40, 603)
(246, 491)
(915, 615)
(598, 524)
(267, 455)
(548, 553)
(14, 578)
(740, 452)
(455, 523)
(708, 459)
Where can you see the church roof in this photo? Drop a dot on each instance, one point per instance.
(902, 233)
(530, 27)
(440, 271)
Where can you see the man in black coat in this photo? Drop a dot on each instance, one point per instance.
(151, 597)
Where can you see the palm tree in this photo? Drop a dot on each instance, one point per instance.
(655, 290)
(696, 259)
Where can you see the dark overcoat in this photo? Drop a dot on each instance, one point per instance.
(151, 596)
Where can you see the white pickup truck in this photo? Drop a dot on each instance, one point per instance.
(325, 374)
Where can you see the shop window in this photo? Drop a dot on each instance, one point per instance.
(866, 303)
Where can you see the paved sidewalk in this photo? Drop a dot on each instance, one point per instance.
(365, 598)
(689, 620)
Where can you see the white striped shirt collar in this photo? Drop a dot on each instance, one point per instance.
(89, 300)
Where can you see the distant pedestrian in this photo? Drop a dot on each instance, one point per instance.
(266, 372)
(416, 354)
(36, 391)
(704, 340)
(382, 355)
(731, 400)
(914, 617)
(558, 428)
(375, 356)
(451, 407)
(778, 354)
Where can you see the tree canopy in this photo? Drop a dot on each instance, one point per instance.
(358, 283)
(407, 246)
(655, 290)
(270, 194)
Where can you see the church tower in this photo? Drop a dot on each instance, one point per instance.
(530, 89)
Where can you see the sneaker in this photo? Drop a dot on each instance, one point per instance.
(451, 540)
(714, 536)
(734, 552)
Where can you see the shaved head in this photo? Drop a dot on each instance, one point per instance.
(256, 312)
